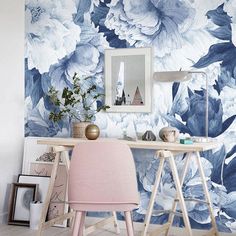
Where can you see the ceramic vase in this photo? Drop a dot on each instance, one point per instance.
(169, 134)
(92, 132)
(78, 129)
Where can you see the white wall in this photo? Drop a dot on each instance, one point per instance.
(11, 95)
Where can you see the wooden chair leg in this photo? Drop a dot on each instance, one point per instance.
(117, 228)
(129, 223)
(79, 223)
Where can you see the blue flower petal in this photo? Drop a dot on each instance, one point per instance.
(231, 152)
(200, 216)
(217, 52)
(175, 88)
(219, 16)
(227, 123)
(224, 32)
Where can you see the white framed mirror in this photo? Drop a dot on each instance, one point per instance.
(128, 73)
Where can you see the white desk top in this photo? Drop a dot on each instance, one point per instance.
(156, 145)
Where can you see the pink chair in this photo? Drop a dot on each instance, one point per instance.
(102, 177)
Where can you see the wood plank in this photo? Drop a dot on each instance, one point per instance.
(156, 145)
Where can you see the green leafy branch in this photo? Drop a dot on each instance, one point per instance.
(70, 98)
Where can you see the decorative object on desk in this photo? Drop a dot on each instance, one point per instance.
(201, 139)
(92, 132)
(21, 196)
(149, 136)
(80, 102)
(57, 206)
(169, 134)
(78, 129)
(186, 141)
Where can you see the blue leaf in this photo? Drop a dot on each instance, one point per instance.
(46, 82)
(217, 52)
(190, 92)
(219, 16)
(82, 8)
(227, 123)
(223, 32)
(216, 86)
(37, 91)
(175, 88)
(229, 176)
(216, 160)
(99, 14)
(231, 152)
(200, 92)
(196, 225)
(37, 130)
(231, 211)
(221, 223)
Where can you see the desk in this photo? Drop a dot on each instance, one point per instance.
(167, 153)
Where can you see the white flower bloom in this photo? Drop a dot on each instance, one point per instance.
(143, 23)
(50, 32)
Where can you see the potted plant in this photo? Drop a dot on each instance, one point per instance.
(79, 102)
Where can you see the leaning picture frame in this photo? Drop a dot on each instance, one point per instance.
(19, 205)
(42, 181)
(32, 151)
(35, 163)
(128, 73)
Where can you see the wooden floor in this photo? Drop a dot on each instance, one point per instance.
(12, 230)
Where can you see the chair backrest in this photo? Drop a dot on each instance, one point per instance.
(102, 172)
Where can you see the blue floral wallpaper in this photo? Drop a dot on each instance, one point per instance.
(67, 36)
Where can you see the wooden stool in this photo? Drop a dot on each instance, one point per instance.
(167, 155)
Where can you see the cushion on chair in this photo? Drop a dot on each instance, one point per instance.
(102, 176)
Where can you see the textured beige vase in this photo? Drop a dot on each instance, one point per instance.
(78, 129)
